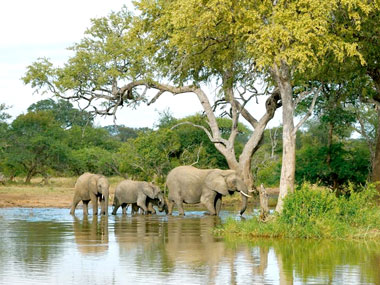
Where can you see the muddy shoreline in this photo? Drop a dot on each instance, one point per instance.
(59, 194)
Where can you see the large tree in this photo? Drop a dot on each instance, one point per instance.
(368, 40)
(113, 62)
(291, 40)
(177, 46)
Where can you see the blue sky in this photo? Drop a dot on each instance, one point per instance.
(45, 28)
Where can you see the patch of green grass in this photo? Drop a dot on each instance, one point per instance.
(316, 212)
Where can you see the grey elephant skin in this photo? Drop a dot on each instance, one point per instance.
(190, 185)
(91, 187)
(137, 193)
(159, 202)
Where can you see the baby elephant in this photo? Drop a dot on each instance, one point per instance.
(139, 193)
(159, 202)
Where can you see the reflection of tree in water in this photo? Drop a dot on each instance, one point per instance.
(91, 236)
(34, 243)
(325, 261)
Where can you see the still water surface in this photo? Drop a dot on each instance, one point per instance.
(48, 246)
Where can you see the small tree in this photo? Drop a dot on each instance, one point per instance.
(36, 144)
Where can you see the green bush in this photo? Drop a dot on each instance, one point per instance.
(316, 212)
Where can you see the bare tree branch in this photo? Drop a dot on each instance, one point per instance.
(309, 112)
(221, 141)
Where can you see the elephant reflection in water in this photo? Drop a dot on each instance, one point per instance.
(193, 243)
(91, 236)
(188, 242)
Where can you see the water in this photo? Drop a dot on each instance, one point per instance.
(48, 246)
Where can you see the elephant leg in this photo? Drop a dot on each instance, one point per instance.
(208, 199)
(102, 205)
(170, 207)
(76, 200)
(211, 209)
(135, 209)
(94, 201)
(141, 203)
(179, 204)
(85, 208)
(218, 204)
(115, 208)
(124, 208)
(151, 209)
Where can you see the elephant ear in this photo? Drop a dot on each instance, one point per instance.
(231, 181)
(93, 184)
(148, 190)
(216, 182)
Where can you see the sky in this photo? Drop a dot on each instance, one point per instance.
(46, 28)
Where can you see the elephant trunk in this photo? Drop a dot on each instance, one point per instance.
(115, 205)
(244, 200)
(106, 204)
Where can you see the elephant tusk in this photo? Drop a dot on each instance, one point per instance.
(246, 195)
(251, 191)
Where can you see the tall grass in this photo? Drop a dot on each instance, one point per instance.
(316, 212)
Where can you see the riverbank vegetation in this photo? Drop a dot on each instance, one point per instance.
(316, 212)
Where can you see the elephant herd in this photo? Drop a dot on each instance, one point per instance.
(186, 184)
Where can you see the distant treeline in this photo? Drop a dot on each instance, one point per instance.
(55, 139)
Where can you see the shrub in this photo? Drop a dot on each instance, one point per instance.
(316, 212)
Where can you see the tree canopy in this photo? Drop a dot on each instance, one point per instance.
(300, 54)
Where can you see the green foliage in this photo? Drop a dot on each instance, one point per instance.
(105, 56)
(269, 173)
(149, 154)
(349, 162)
(194, 140)
(123, 133)
(92, 159)
(318, 213)
(63, 112)
(35, 144)
(81, 137)
(4, 116)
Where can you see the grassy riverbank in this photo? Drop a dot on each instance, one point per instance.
(315, 212)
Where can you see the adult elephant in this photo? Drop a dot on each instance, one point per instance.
(191, 185)
(137, 193)
(91, 187)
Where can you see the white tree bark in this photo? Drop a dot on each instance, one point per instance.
(282, 77)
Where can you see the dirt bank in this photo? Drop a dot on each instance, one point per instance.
(59, 194)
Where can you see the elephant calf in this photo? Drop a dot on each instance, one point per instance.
(162, 206)
(139, 194)
(91, 187)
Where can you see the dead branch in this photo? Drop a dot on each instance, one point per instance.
(310, 111)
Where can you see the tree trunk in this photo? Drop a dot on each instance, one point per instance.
(264, 209)
(29, 175)
(288, 135)
(376, 162)
(375, 177)
(329, 144)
